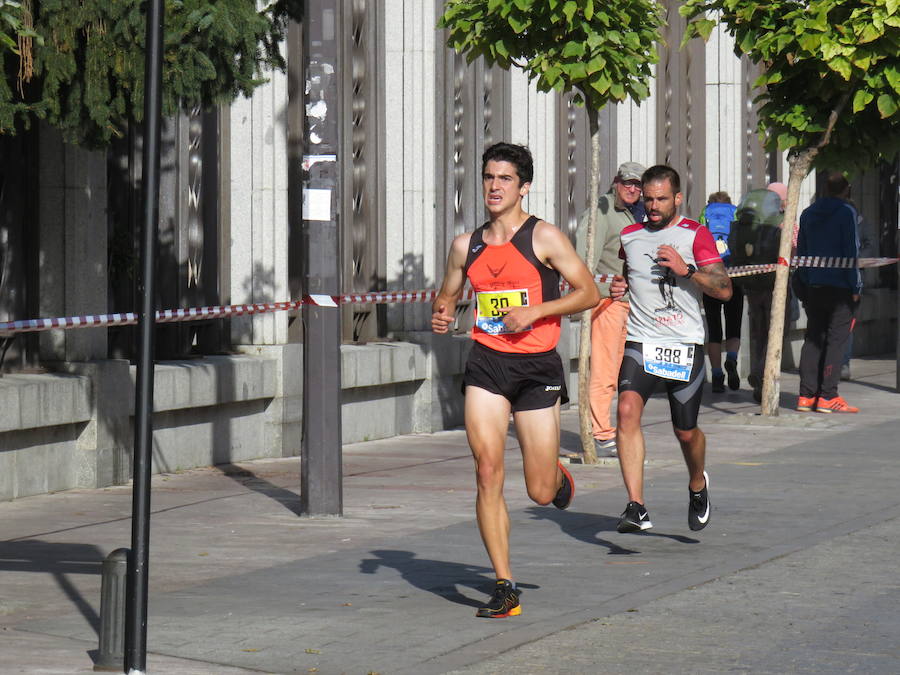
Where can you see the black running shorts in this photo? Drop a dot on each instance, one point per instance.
(684, 397)
(527, 381)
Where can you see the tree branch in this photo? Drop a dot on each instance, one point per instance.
(833, 118)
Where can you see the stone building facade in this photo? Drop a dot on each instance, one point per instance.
(414, 119)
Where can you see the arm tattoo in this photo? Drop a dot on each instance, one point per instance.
(718, 278)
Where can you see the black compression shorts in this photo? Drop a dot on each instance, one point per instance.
(527, 381)
(733, 310)
(684, 397)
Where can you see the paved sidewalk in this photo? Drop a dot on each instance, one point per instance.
(794, 574)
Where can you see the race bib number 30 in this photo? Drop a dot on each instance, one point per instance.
(492, 305)
(673, 362)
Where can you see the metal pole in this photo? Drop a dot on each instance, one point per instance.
(321, 476)
(138, 562)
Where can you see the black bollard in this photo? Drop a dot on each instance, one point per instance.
(113, 591)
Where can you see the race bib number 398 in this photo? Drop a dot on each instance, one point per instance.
(672, 362)
(492, 305)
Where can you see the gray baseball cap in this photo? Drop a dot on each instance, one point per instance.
(630, 171)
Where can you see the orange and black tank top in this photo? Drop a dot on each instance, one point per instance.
(506, 276)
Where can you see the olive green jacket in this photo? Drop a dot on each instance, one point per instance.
(610, 223)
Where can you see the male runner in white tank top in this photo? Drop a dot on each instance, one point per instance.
(670, 262)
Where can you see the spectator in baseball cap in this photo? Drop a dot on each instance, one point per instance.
(619, 208)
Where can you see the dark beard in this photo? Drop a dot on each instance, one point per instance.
(663, 224)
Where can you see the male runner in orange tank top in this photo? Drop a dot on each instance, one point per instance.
(513, 262)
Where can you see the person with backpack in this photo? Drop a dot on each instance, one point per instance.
(754, 240)
(718, 215)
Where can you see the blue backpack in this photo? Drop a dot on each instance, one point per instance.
(718, 219)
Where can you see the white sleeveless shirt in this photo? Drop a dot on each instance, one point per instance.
(666, 309)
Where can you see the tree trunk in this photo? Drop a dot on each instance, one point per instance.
(799, 167)
(584, 344)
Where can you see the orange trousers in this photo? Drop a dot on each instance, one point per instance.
(607, 347)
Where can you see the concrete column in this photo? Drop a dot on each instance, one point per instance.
(259, 210)
(73, 246)
(408, 160)
(724, 99)
(533, 125)
(636, 125)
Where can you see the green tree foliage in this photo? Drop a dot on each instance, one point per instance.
(89, 71)
(17, 39)
(829, 94)
(602, 50)
(828, 65)
(10, 25)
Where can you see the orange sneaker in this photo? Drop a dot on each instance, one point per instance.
(806, 403)
(836, 404)
(566, 491)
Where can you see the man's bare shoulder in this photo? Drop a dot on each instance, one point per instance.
(462, 240)
(459, 248)
(547, 231)
(550, 243)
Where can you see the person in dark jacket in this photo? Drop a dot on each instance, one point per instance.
(830, 296)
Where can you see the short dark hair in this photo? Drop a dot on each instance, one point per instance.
(720, 197)
(836, 185)
(662, 172)
(517, 155)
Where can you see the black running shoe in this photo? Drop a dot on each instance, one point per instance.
(718, 383)
(756, 383)
(634, 518)
(566, 491)
(503, 603)
(734, 381)
(698, 508)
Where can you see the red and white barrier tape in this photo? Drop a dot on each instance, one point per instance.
(378, 297)
(811, 261)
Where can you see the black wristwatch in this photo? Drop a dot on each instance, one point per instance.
(690, 272)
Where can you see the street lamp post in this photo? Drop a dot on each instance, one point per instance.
(321, 475)
(138, 560)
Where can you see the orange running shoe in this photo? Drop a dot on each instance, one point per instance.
(836, 404)
(503, 603)
(566, 491)
(806, 403)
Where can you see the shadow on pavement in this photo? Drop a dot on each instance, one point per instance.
(724, 403)
(60, 560)
(287, 498)
(570, 441)
(436, 576)
(873, 385)
(587, 526)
